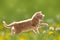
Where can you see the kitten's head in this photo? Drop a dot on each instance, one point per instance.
(39, 15)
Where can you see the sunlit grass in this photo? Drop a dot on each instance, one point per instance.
(44, 34)
(1, 38)
(22, 38)
(16, 10)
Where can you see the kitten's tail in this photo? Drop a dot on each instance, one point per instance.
(5, 24)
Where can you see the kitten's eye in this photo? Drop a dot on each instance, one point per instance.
(38, 14)
(41, 16)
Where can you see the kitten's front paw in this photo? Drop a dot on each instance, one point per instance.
(46, 24)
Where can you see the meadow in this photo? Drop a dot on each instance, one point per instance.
(17, 10)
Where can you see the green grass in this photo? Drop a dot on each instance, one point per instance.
(17, 10)
(5, 34)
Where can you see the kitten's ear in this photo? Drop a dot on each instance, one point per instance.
(40, 12)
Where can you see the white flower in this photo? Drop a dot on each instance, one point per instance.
(51, 28)
(57, 29)
(44, 31)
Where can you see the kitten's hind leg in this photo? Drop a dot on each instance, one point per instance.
(36, 30)
(13, 30)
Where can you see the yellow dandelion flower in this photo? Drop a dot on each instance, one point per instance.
(1, 38)
(59, 37)
(55, 39)
(58, 25)
(50, 32)
(22, 38)
(7, 35)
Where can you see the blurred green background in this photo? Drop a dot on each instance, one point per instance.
(17, 10)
